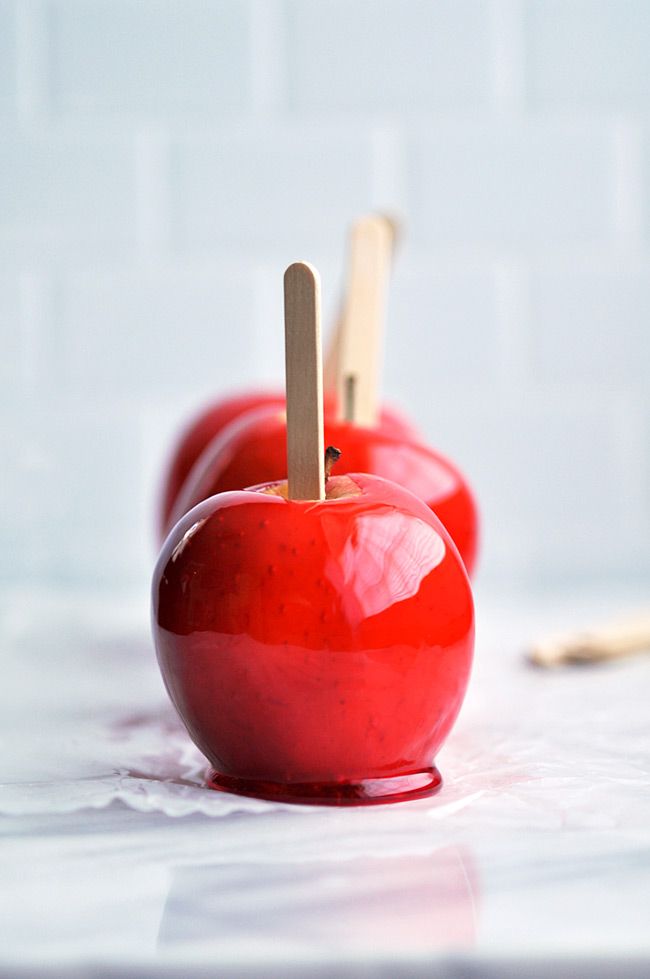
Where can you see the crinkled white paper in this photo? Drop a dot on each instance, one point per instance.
(88, 724)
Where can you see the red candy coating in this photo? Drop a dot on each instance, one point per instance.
(316, 651)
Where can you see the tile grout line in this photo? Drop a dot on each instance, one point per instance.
(267, 64)
(508, 58)
(33, 68)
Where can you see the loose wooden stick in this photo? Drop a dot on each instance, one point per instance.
(331, 368)
(362, 325)
(594, 646)
(304, 382)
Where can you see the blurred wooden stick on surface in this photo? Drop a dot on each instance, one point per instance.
(594, 645)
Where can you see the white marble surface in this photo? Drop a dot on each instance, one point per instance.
(534, 859)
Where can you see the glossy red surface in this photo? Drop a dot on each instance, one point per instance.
(253, 450)
(316, 651)
(200, 431)
(214, 418)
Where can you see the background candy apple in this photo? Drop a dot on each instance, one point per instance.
(253, 449)
(209, 423)
(213, 419)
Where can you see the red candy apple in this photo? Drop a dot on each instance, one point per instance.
(315, 635)
(315, 650)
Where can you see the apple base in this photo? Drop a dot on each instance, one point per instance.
(365, 792)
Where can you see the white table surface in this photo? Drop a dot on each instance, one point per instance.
(533, 860)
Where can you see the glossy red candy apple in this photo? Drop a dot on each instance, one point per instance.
(253, 449)
(216, 417)
(316, 650)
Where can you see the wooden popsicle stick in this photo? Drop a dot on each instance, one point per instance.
(362, 325)
(594, 646)
(304, 383)
(331, 358)
(332, 353)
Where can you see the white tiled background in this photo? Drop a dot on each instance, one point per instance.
(162, 161)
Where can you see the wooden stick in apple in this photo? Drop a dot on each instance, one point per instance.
(304, 383)
(362, 326)
(331, 359)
